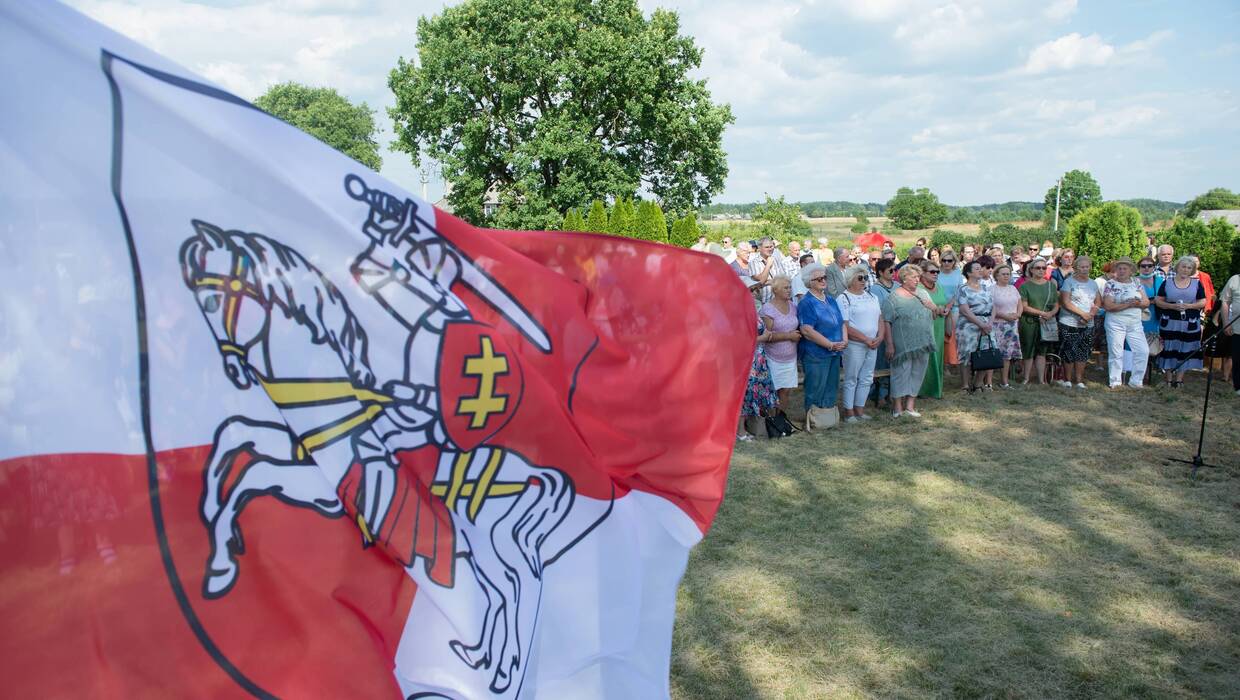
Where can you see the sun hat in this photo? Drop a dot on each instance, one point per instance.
(1123, 260)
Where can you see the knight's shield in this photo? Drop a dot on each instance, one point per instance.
(480, 383)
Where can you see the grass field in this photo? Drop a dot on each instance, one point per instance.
(1022, 544)
(836, 229)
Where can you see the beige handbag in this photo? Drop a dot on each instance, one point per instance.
(821, 418)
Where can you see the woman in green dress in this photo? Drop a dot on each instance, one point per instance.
(932, 385)
(1039, 301)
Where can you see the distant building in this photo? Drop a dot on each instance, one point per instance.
(1231, 216)
(490, 203)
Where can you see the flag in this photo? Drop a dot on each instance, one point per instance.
(275, 427)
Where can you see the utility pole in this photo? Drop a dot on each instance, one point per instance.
(1058, 188)
(424, 174)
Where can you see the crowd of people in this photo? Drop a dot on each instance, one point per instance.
(861, 328)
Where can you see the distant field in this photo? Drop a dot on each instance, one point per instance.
(836, 228)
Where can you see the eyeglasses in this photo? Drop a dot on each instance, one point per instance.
(1145, 266)
(817, 279)
(1038, 267)
(949, 260)
(932, 272)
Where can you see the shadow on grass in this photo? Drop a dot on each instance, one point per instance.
(1015, 545)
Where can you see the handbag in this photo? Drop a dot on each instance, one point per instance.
(1050, 329)
(821, 418)
(778, 426)
(983, 359)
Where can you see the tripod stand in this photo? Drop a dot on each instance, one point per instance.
(1197, 462)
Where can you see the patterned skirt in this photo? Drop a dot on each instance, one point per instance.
(1007, 339)
(760, 391)
(1075, 344)
(1181, 339)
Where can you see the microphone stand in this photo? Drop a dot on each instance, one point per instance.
(1197, 462)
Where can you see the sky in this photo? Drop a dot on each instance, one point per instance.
(981, 101)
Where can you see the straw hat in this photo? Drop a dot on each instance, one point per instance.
(1123, 260)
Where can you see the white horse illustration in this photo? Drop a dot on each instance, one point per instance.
(261, 299)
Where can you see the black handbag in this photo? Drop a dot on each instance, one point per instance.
(981, 360)
(778, 425)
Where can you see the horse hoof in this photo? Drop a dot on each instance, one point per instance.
(217, 582)
(466, 654)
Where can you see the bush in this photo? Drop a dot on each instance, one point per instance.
(573, 221)
(919, 209)
(859, 228)
(623, 218)
(1105, 232)
(651, 224)
(596, 222)
(947, 237)
(685, 232)
(1213, 243)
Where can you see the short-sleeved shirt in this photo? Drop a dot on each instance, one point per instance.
(781, 350)
(824, 317)
(1121, 292)
(1038, 296)
(1082, 295)
(1231, 296)
(861, 311)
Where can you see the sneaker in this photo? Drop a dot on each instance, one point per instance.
(1115, 385)
(1064, 383)
(852, 419)
(1136, 386)
(865, 417)
(912, 413)
(1081, 386)
(897, 414)
(1005, 386)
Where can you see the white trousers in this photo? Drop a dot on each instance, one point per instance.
(858, 373)
(1119, 330)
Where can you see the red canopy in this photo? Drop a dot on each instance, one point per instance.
(873, 239)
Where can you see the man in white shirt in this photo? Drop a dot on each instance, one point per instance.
(766, 264)
(729, 253)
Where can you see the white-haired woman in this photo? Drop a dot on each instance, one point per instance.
(1124, 300)
(910, 340)
(863, 315)
(1181, 299)
(780, 317)
(823, 338)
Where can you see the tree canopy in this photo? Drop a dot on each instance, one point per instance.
(911, 209)
(552, 103)
(1079, 192)
(1212, 243)
(326, 115)
(781, 219)
(1105, 232)
(1217, 198)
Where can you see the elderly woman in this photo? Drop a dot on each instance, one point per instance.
(862, 314)
(1007, 312)
(1080, 300)
(1039, 303)
(1229, 308)
(1064, 260)
(910, 341)
(779, 315)
(1124, 299)
(1180, 300)
(975, 306)
(932, 385)
(950, 279)
(823, 338)
(759, 391)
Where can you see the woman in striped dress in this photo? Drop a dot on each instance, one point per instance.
(1180, 301)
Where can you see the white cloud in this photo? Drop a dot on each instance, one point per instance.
(1068, 52)
(1060, 9)
(1120, 122)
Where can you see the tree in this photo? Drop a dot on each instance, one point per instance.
(781, 219)
(325, 115)
(1105, 232)
(556, 102)
(573, 221)
(685, 231)
(1211, 242)
(623, 218)
(596, 222)
(1079, 192)
(1217, 198)
(651, 224)
(915, 209)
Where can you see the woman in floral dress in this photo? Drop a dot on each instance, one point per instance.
(760, 391)
(1007, 312)
(975, 305)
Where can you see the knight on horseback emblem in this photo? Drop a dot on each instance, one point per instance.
(281, 325)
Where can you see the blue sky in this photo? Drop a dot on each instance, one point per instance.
(980, 101)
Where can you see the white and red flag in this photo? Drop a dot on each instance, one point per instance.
(273, 426)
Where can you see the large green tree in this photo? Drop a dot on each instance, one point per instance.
(1105, 232)
(914, 209)
(1217, 198)
(326, 115)
(1211, 243)
(1079, 192)
(557, 102)
(781, 219)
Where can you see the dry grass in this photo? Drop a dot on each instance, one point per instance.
(1018, 544)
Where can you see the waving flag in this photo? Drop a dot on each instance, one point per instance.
(273, 426)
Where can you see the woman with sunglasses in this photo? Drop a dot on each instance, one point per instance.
(975, 306)
(910, 340)
(1080, 300)
(824, 334)
(1039, 302)
(1124, 300)
(950, 279)
(932, 385)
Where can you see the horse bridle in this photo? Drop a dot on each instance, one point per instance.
(234, 287)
